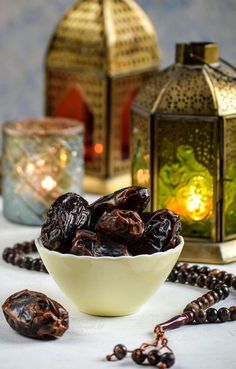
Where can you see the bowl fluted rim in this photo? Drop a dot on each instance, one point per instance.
(39, 245)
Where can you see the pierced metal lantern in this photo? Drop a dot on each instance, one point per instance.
(100, 54)
(184, 148)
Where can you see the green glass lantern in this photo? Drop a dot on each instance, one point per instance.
(184, 148)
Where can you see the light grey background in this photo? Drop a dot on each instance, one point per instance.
(26, 26)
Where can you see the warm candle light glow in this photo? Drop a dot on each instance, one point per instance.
(194, 200)
(98, 148)
(40, 162)
(48, 183)
(43, 159)
(30, 168)
(197, 199)
(143, 177)
(63, 156)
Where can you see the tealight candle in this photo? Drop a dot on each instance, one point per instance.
(42, 159)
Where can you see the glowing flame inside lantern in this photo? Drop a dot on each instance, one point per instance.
(198, 200)
(98, 148)
(48, 183)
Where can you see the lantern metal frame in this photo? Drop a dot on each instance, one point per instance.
(105, 50)
(191, 93)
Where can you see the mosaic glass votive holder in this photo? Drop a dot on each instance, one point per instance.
(42, 159)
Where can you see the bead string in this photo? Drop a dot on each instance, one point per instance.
(157, 353)
(15, 255)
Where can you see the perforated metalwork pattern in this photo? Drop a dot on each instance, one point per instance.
(225, 91)
(79, 39)
(188, 92)
(94, 90)
(131, 38)
(147, 98)
(115, 36)
(197, 90)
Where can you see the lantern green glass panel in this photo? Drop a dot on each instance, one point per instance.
(186, 166)
(184, 149)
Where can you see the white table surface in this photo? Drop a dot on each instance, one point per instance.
(90, 338)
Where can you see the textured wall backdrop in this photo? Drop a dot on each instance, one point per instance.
(26, 25)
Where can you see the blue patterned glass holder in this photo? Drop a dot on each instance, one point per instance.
(42, 159)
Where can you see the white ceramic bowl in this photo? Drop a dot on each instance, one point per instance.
(109, 286)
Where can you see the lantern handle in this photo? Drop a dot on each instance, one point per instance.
(223, 74)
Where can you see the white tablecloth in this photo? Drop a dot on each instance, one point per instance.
(90, 338)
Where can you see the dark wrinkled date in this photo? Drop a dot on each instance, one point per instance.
(87, 243)
(110, 248)
(161, 232)
(123, 226)
(83, 243)
(114, 225)
(34, 315)
(68, 214)
(130, 198)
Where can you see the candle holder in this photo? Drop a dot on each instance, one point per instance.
(42, 159)
(99, 56)
(184, 148)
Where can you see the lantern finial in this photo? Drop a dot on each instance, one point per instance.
(197, 53)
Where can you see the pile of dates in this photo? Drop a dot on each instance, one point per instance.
(114, 225)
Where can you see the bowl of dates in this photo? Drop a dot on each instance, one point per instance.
(109, 257)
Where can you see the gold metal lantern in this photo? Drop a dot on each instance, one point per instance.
(100, 54)
(184, 148)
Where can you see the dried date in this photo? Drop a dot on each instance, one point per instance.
(83, 243)
(133, 198)
(109, 248)
(65, 216)
(122, 226)
(146, 216)
(161, 232)
(110, 225)
(87, 243)
(34, 315)
(129, 198)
